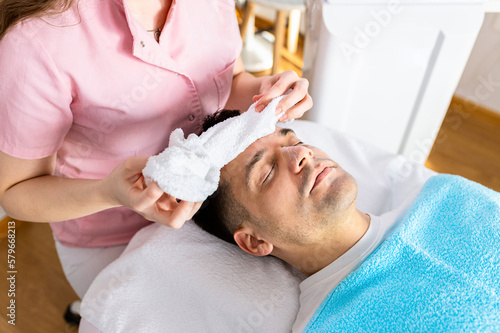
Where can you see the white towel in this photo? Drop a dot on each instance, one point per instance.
(189, 281)
(189, 169)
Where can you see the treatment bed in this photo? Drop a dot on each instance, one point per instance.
(189, 281)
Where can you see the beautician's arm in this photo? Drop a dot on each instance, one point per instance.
(29, 192)
(247, 88)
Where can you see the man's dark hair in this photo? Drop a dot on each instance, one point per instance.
(221, 214)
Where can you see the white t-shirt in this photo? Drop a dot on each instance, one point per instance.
(316, 287)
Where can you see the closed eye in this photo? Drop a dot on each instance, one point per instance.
(269, 174)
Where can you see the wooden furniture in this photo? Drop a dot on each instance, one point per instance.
(290, 9)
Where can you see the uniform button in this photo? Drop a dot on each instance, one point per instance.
(142, 43)
(191, 117)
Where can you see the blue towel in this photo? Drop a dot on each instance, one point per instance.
(438, 272)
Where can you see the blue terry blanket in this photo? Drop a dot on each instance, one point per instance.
(438, 272)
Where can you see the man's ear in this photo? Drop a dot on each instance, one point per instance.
(250, 243)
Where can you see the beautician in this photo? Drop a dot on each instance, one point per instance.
(90, 89)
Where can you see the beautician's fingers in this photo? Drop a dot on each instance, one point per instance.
(133, 167)
(161, 210)
(125, 186)
(167, 202)
(125, 181)
(174, 218)
(298, 110)
(275, 86)
(196, 207)
(298, 99)
(182, 213)
(256, 98)
(280, 83)
(148, 198)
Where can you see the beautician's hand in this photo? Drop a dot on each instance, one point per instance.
(296, 103)
(125, 186)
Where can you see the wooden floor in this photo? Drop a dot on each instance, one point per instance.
(42, 292)
(468, 144)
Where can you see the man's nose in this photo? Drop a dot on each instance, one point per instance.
(299, 157)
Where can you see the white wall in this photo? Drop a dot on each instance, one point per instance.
(492, 6)
(480, 81)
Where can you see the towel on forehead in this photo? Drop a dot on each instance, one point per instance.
(189, 169)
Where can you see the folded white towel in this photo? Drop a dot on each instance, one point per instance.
(189, 169)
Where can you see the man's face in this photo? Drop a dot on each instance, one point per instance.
(295, 192)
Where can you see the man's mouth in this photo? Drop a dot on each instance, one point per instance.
(323, 172)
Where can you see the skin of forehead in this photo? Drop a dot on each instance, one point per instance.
(242, 160)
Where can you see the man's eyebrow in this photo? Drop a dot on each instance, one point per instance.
(285, 131)
(250, 166)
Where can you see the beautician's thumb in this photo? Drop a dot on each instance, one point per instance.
(135, 163)
(180, 214)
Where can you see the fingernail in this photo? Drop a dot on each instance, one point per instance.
(278, 111)
(259, 108)
(283, 117)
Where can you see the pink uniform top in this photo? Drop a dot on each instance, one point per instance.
(94, 86)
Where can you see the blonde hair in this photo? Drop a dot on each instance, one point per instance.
(13, 11)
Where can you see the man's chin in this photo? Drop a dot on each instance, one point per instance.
(340, 195)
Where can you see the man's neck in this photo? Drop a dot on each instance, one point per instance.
(314, 258)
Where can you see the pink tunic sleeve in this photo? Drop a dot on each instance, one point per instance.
(34, 100)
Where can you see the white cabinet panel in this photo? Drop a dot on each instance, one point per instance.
(386, 71)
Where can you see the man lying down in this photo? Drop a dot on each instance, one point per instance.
(432, 267)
